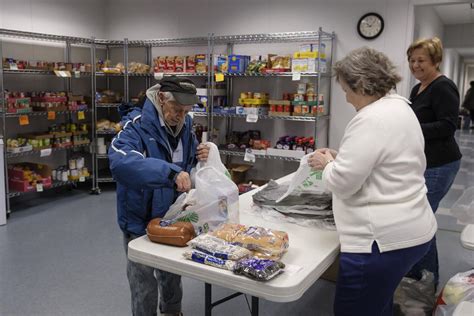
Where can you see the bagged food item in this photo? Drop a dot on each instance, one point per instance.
(460, 288)
(176, 234)
(204, 258)
(263, 242)
(214, 201)
(218, 248)
(259, 269)
(415, 297)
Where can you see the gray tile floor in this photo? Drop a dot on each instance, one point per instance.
(63, 255)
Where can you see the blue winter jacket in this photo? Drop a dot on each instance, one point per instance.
(141, 163)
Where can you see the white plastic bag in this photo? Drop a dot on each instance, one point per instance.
(215, 199)
(460, 288)
(304, 180)
(463, 209)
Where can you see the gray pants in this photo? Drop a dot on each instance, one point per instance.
(145, 282)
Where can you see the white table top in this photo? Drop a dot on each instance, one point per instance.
(312, 249)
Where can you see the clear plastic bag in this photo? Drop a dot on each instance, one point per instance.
(305, 180)
(415, 298)
(463, 209)
(215, 199)
(460, 288)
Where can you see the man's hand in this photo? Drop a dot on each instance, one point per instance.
(183, 182)
(202, 152)
(319, 160)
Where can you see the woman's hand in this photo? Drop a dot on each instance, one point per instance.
(324, 150)
(320, 159)
(202, 152)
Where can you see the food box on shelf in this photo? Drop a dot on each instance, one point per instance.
(273, 113)
(285, 153)
(18, 176)
(261, 110)
(49, 99)
(238, 63)
(22, 149)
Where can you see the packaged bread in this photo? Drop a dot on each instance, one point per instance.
(176, 234)
(263, 242)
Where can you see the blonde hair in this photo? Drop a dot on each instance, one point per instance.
(367, 71)
(432, 46)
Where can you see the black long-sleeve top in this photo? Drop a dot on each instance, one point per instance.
(437, 109)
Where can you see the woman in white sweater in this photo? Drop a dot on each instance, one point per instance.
(382, 214)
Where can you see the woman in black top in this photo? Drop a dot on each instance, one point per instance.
(435, 101)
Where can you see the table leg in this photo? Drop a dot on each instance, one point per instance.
(254, 306)
(208, 299)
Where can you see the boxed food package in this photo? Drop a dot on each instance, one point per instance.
(238, 63)
(190, 64)
(170, 64)
(238, 172)
(221, 63)
(201, 65)
(24, 177)
(179, 64)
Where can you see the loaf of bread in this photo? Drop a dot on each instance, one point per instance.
(265, 243)
(177, 234)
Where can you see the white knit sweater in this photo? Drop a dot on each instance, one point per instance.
(377, 181)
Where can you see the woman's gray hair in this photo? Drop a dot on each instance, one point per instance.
(367, 71)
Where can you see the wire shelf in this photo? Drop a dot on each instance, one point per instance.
(102, 156)
(240, 153)
(37, 152)
(43, 113)
(105, 180)
(44, 37)
(107, 132)
(55, 184)
(108, 105)
(273, 37)
(267, 117)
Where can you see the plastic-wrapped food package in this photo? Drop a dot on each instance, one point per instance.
(460, 288)
(259, 269)
(263, 242)
(415, 297)
(218, 248)
(204, 258)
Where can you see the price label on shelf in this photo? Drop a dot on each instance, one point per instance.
(158, 75)
(219, 77)
(82, 179)
(77, 74)
(252, 118)
(51, 115)
(249, 155)
(62, 73)
(296, 76)
(45, 152)
(80, 115)
(24, 120)
(13, 66)
(39, 187)
(191, 114)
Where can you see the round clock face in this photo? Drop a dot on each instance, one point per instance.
(370, 25)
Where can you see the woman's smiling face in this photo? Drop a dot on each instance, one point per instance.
(421, 65)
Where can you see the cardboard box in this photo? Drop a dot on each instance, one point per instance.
(238, 63)
(16, 176)
(238, 172)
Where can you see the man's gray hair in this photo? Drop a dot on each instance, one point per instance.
(367, 71)
(168, 96)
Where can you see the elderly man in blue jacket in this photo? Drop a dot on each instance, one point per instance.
(151, 159)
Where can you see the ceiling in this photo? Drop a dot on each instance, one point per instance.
(455, 13)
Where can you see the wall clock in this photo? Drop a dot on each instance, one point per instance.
(370, 25)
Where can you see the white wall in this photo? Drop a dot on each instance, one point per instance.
(84, 18)
(461, 35)
(181, 19)
(427, 23)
